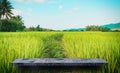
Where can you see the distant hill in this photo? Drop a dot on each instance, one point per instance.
(112, 26)
(115, 26)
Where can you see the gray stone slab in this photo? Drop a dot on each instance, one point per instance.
(59, 62)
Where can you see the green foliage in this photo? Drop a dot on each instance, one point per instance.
(10, 26)
(0, 24)
(5, 9)
(93, 28)
(38, 28)
(104, 29)
(7, 22)
(97, 28)
(19, 22)
(52, 47)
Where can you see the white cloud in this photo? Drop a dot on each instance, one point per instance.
(37, 1)
(19, 0)
(60, 7)
(53, 1)
(40, 1)
(16, 12)
(72, 25)
(29, 9)
(28, 14)
(76, 9)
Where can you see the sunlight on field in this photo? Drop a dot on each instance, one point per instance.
(20, 45)
(104, 45)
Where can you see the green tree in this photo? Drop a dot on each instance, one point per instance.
(8, 25)
(32, 28)
(18, 19)
(93, 28)
(97, 28)
(5, 9)
(19, 22)
(105, 29)
(11, 25)
(7, 21)
(38, 28)
(0, 24)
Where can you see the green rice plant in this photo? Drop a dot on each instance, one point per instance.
(52, 46)
(20, 45)
(104, 45)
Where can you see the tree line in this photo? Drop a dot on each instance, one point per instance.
(97, 28)
(37, 28)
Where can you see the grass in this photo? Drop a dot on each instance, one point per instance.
(104, 45)
(52, 47)
(19, 45)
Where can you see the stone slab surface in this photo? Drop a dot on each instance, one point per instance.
(59, 62)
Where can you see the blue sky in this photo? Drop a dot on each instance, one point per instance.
(64, 14)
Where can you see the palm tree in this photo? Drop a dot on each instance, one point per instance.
(18, 19)
(5, 9)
